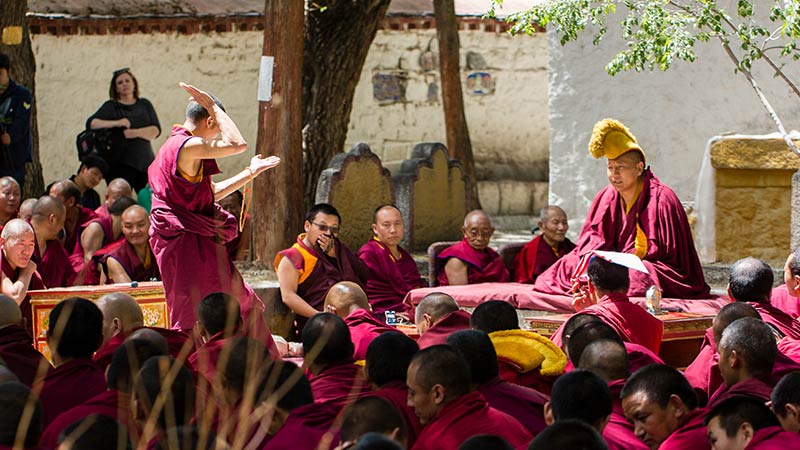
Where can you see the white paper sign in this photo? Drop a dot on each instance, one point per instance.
(265, 78)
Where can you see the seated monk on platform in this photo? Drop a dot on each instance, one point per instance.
(544, 250)
(440, 391)
(122, 317)
(74, 333)
(26, 208)
(663, 409)
(179, 395)
(386, 366)
(10, 198)
(348, 301)
(582, 395)
(113, 402)
(751, 281)
(118, 187)
(50, 256)
(437, 316)
(95, 237)
(219, 321)
(637, 214)
(392, 270)
(743, 423)
(747, 353)
(239, 246)
(335, 379)
(19, 272)
(317, 261)
(67, 192)
(17, 404)
(16, 350)
(132, 259)
(607, 286)
(609, 359)
(569, 434)
(786, 402)
(524, 404)
(471, 261)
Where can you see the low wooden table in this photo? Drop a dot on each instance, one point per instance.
(149, 295)
(683, 333)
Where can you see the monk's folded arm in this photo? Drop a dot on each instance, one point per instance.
(17, 290)
(116, 272)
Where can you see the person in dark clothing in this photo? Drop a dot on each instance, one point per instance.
(16, 146)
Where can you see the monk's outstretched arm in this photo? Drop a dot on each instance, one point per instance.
(456, 271)
(91, 240)
(287, 278)
(258, 164)
(116, 272)
(18, 290)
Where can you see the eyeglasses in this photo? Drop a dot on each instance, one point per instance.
(326, 228)
(481, 233)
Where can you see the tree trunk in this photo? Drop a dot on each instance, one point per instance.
(450, 71)
(279, 192)
(23, 71)
(338, 34)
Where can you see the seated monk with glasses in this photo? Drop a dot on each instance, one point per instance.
(471, 261)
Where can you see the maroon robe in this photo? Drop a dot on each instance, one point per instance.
(396, 393)
(35, 284)
(175, 342)
(107, 225)
(640, 356)
(389, 279)
(318, 272)
(773, 438)
(19, 355)
(339, 384)
(535, 257)
(102, 210)
(629, 320)
(364, 327)
(690, 435)
(74, 235)
(203, 362)
(468, 416)
(126, 256)
(69, 385)
(110, 403)
(671, 257)
(752, 387)
(618, 433)
(188, 232)
(781, 299)
(444, 327)
(521, 403)
(305, 428)
(484, 266)
(54, 265)
(777, 319)
(512, 372)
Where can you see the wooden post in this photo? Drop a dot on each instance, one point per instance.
(278, 200)
(455, 121)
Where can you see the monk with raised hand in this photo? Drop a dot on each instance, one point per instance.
(471, 261)
(742, 423)
(393, 271)
(10, 198)
(348, 301)
(438, 316)
(440, 391)
(50, 256)
(118, 187)
(188, 229)
(69, 194)
(133, 259)
(19, 272)
(16, 350)
(543, 250)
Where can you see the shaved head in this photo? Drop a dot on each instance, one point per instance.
(66, 190)
(476, 216)
(436, 305)
(26, 208)
(5, 181)
(47, 205)
(730, 313)
(607, 358)
(16, 228)
(152, 336)
(118, 187)
(10, 313)
(346, 297)
(135, 213)
(120, 313)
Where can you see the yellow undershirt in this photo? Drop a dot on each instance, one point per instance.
(640, 242)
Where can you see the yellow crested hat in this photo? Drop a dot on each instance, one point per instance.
(612, 139)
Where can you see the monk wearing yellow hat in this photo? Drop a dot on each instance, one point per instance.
(635, 213)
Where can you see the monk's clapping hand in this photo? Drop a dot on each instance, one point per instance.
(260, 163)
(203, 98)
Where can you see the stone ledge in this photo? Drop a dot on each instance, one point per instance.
(752, 152)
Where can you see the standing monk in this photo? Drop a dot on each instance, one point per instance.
(471, 261)
(50, 256)
(637, 214)
(392, 270)
(19, 272)
(543, 250)
(188, 229)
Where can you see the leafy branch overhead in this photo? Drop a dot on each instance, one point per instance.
(657, 33)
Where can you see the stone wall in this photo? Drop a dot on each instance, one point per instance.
(73, 72)
(673, 114)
